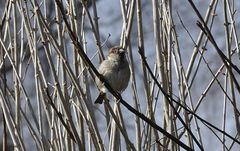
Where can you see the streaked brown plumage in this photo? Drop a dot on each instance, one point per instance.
(115, 70)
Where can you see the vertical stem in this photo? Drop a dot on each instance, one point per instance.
(160, 63)
(145, 77)
(16, 63)
(228, 44)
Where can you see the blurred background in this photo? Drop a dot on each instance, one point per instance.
(48, 89)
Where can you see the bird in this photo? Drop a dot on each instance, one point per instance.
(115, 70)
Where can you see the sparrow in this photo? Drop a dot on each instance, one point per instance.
(115, 70)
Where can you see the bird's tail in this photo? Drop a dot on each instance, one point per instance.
(100, 98)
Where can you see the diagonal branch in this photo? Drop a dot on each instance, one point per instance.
(169, 98)
(227, 62)
(85, 58)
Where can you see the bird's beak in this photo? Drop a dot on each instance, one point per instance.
(122, 51)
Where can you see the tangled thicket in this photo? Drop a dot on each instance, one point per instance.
(47, 71)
